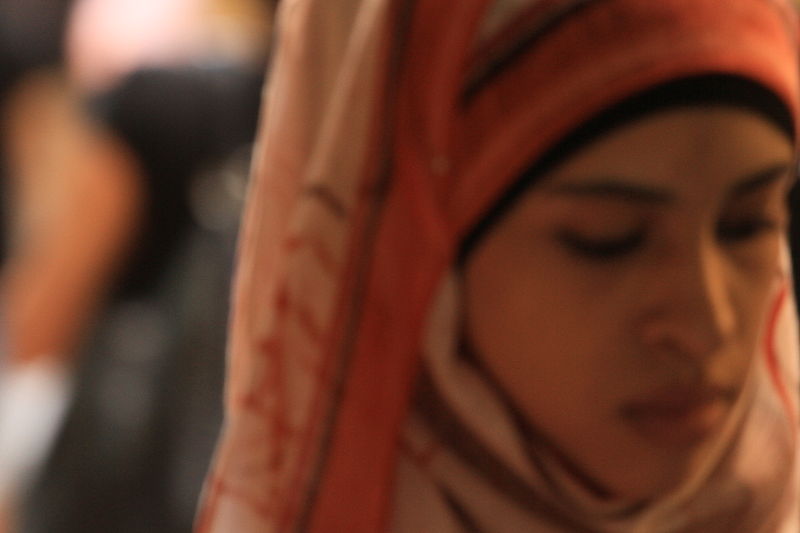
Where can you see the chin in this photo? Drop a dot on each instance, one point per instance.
(657, 472)
(639, 470)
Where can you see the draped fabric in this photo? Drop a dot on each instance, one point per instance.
(389, 128)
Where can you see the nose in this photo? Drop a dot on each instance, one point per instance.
(691, 311)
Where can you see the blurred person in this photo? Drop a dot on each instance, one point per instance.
(145, 409)
(35, 104)
(145, 414)
(61, 255)
(105, 253)
(513, 266)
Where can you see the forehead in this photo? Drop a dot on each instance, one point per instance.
(701, 148)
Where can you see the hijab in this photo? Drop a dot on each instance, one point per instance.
(390, 130)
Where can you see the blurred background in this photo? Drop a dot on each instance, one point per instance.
(125, 135)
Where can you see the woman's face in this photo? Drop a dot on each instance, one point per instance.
(620, 301)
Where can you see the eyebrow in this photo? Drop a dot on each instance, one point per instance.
(621, 189)
(761, 179)
(614, 189)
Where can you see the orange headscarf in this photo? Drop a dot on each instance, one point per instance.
(390, 127)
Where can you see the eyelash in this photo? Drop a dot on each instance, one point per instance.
(742, 231)
(600, 249)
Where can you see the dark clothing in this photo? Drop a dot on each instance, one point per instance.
(137, 442)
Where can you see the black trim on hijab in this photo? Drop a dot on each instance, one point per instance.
(706, 90)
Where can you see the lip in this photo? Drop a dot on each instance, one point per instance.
(678, 416)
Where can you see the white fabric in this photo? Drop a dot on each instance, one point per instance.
(754, 452)
(33, 401)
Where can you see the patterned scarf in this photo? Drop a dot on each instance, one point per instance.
(389, 128)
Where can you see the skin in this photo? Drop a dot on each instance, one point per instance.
(637, 272)
(75, 203)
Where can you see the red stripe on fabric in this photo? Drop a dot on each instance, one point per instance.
(252, 402)
(277, 423)
(306, 320)
(773, 365)
(356, 500)
(323, 371)
(275, 418)
(308, 481)
(323, 256)
(282, 301)
(283, 435)
(266, 510)
(219, 489)
(270, 346)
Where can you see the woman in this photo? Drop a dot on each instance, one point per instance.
(517, 266)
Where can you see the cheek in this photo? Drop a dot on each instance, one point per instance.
(755, 279)
(527, 322)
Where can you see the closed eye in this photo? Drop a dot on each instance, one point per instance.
(744, 230)
(601, 248)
